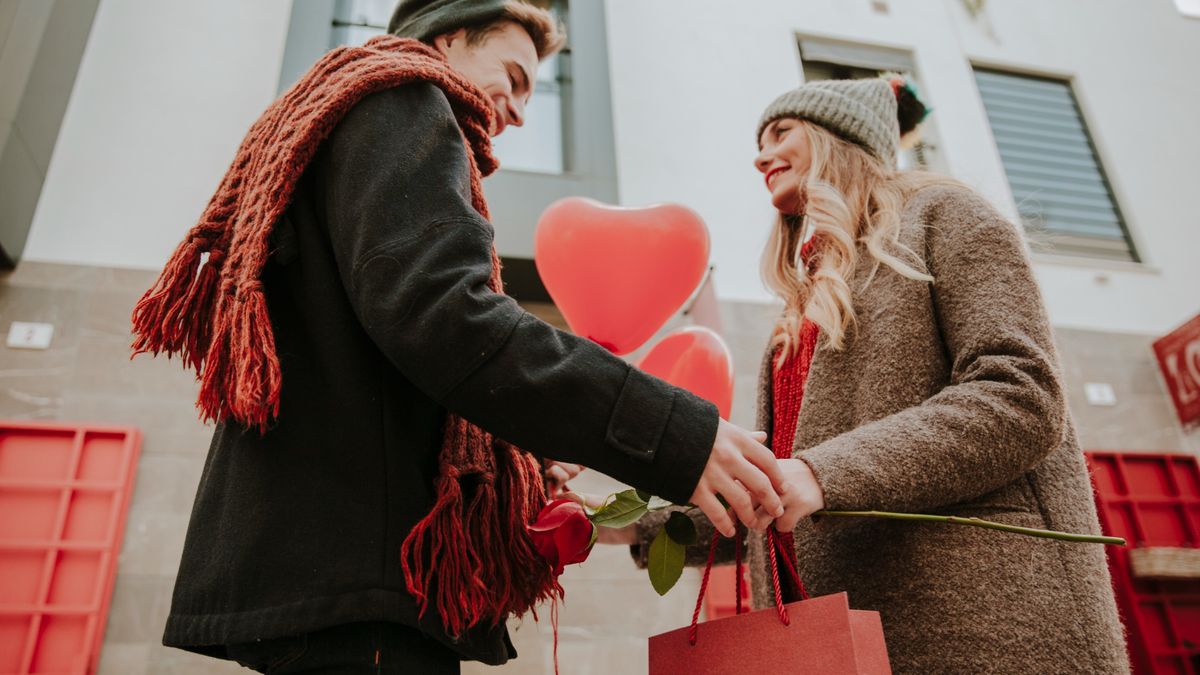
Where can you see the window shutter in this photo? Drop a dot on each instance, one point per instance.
(1060, 188)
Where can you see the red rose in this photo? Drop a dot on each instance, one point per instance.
(562, 534)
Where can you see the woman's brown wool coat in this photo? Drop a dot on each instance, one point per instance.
(948, 399)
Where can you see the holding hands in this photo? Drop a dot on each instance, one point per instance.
(759, 489)
(742, 472)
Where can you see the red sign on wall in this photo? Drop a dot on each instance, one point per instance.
(1179, 357)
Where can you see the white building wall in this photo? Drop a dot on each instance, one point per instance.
(164, 95)
(690, 78)
(167, 89)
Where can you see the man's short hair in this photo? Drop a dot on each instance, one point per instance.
(547, 33)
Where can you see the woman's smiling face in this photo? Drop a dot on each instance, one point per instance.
(784, 158)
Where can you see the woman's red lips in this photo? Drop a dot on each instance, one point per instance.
(771, 174)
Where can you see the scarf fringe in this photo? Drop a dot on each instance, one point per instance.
(242, 377)
(170, 317)
(456, 590)
(200, 301)
(456, 557)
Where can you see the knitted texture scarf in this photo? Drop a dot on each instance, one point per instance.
(787, 384)
(471, 556)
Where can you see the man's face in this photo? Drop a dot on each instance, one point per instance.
(503, 66)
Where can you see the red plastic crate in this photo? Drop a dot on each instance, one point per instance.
(1152, 500)
(720, 599)
(64, 495)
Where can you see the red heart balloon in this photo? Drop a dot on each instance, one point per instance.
(697, 359)
(618, 274)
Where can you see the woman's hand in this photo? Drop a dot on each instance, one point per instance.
(802, 494)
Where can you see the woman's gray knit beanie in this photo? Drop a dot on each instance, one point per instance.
(861, 111)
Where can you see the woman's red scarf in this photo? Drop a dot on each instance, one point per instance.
(471, 556)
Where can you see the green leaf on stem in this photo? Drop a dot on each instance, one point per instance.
(665, 563)
(625, 509)
(681, 529)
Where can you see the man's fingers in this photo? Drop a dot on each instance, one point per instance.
(762, 519)
(738, 499)
(584, 499)
(760, 487)
(716, 513)
(558, 474)
(762, 516)
(760, 436)
(765, 460)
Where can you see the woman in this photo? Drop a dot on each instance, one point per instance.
(913, 369)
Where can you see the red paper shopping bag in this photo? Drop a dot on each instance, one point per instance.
(821, 636)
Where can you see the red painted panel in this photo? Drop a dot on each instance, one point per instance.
(1152, 500)
(64, 494)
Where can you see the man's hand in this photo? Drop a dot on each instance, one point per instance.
(745, 473)
(802, 494)
(557, 475)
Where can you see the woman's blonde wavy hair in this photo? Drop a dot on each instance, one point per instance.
(848, 197)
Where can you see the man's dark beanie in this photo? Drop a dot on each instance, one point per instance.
(427, 19)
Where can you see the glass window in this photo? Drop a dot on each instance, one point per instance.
(356, 21)
(834, 60)
(1059, 185)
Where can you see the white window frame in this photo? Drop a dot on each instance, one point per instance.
(864, 56)
(1054, 246)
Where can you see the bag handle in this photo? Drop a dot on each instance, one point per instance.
(779, 544)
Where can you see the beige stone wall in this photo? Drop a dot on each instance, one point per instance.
(1144, 418)
(87, 377)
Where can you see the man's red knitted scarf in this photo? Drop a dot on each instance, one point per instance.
(471, 557)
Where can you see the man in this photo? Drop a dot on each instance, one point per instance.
(367, 515)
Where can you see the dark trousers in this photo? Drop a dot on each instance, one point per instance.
(371, 647)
